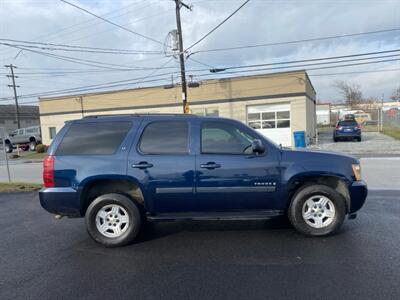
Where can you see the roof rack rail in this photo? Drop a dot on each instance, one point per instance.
(137, 115)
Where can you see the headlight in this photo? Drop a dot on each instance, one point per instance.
(357, 171)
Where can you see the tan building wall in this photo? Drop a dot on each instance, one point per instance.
(230, 96)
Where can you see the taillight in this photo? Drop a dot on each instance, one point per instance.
(48, 171)
(338, 127)
(358, 126)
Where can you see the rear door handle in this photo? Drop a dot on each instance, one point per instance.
(142, 165)
(210, 165)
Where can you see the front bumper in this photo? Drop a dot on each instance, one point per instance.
(60, 200)
(358, 193)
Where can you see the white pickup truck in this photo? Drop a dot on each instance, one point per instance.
(25, 138)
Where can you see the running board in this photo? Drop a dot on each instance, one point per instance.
(214, 216)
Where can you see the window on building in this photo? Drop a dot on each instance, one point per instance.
(269, 119)
(52, 132)
(165, 137)
(221, 138)
(209, 112)
(93, 138)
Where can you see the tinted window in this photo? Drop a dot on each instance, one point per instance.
(224, 138)
(93, 138)
(348, 123)
(165, 137)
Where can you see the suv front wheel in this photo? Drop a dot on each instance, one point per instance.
(113, 220)
(317, 210)
(32, 146)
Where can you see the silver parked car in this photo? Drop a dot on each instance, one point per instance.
(29, 136)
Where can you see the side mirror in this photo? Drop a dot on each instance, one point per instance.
(257, 147)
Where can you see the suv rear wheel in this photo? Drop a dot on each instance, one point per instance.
(113, 220)
(317, 210)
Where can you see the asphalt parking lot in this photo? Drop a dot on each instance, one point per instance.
(44, 258)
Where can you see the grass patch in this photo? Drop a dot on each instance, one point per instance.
(13, 187)
(392, 131)
(35, 155)
(30, 155)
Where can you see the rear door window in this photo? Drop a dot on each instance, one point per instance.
(93, 138)
(165, 137)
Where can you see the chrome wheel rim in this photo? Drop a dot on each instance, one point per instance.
(112, 220)
(318, 211)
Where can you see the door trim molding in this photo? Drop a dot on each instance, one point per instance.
(174, 190)
(236, 189)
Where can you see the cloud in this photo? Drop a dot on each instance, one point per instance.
(260, 21)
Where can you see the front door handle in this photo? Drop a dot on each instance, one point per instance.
(142, 165)
(210, 165)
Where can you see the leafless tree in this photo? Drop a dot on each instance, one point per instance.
(351, 92)
(396, 94)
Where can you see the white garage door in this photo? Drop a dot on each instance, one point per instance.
(272, 120)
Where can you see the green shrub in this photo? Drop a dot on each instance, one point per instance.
(41, 148)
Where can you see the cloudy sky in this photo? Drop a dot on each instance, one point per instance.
(258, 22)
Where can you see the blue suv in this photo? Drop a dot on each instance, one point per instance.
(122, 171)
(347, 129)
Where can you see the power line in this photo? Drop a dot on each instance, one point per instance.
(355, 72)
(301, 67)
(100, 86)
(57, 32)
(216, 27)
(320, 59)
(297, 41)
(112, 23)
(76, 48)
(76, 60)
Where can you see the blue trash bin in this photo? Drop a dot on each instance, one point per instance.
(299, 139)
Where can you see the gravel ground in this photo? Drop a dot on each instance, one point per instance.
(373, 144)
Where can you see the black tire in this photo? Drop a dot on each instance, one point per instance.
(32, 146)
(9, 148)
(133, 211)
(295, 210)
(335, 140)
(359, 139)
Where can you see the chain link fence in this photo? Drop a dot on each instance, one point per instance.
(391, 118)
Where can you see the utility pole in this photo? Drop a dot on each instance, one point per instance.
(14, 86)
(185, 104)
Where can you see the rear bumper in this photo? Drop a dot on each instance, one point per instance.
(358, 193)
(60, 200)
(347, 134)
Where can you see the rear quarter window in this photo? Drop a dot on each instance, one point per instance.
(93, 138)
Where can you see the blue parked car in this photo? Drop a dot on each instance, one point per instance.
(347, 129)
(118, 172)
